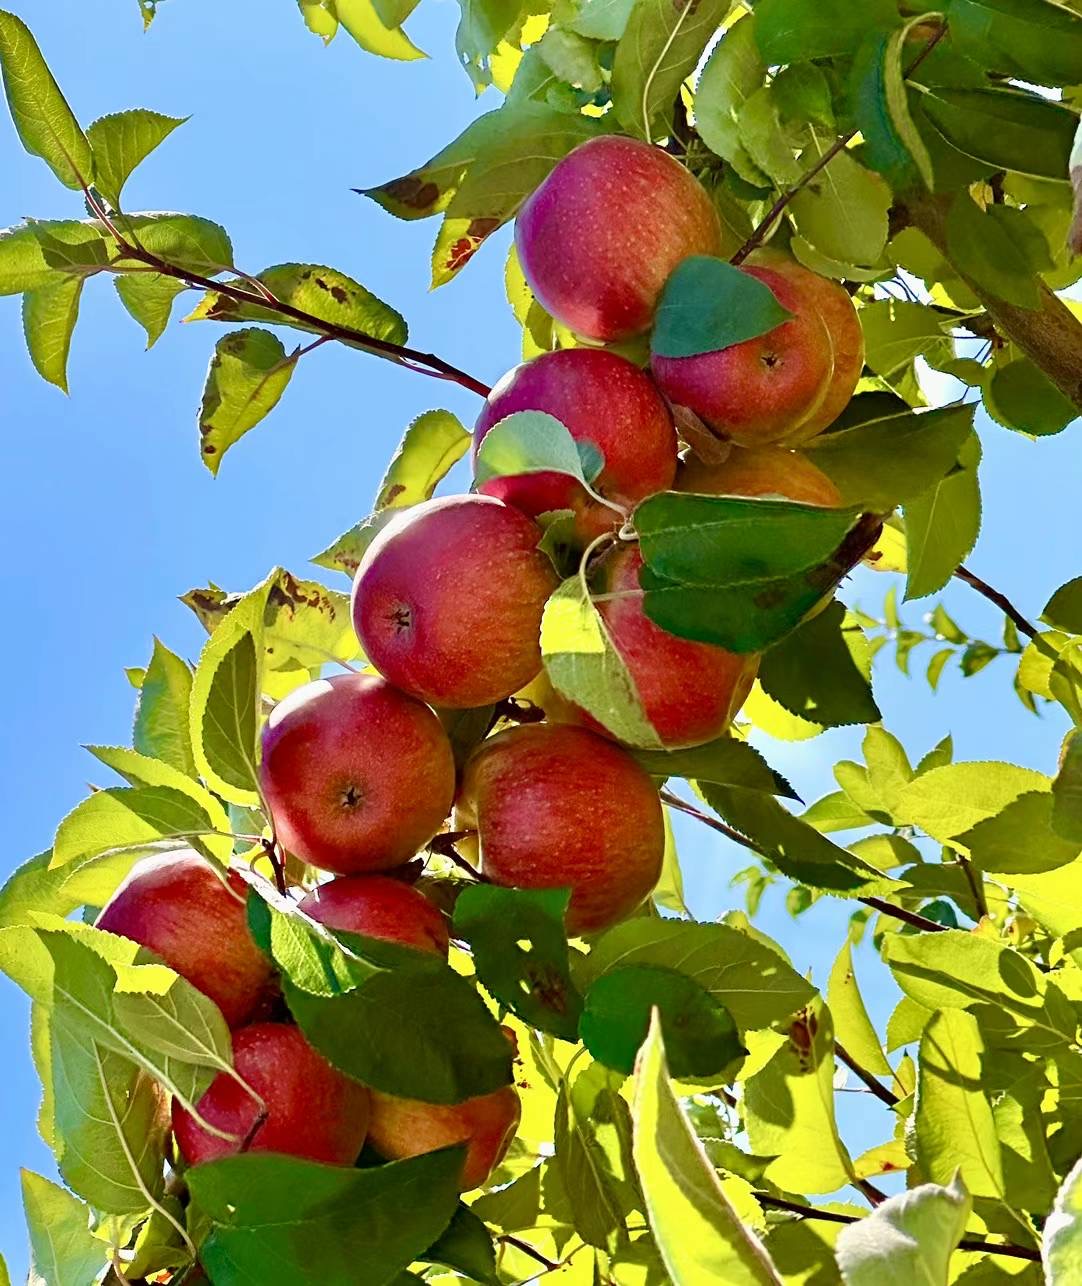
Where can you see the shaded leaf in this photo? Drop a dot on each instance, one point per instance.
(63, 1249)
(790, 31)
(149, 299)
(942, 525)
(121, 141)
(708, 304)
(733, 72)
(49, 317)
(161, 729)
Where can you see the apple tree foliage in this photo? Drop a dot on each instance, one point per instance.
(678, 1078)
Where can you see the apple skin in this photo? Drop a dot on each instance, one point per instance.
(602, 399)
(379, 907)
(557, 806)
(760, 471)
(847, 336)
(313, 1110)
(357, 775)
(192, 915)
(402, 1127)
(689, 691)
(448, 598)
(600, 236)
(761, 390)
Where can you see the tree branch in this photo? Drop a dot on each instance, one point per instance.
(912, 918)
(1009, 1249)
(775, 212)
(873, 1083)
(1000, 600)
(412, 358)
(508, 1239)
(1049, 335)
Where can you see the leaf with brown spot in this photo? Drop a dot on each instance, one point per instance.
(248, 374)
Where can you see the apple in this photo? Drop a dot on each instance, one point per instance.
(761, 390)
(689, 691)
(379, 907)
(599, 237)
(448, 598)
(312, 1109)
(603, 400)
(357, 775)
(760, 471)
(402, 1127)
(193, 914)
(557, 806)
(847, 336)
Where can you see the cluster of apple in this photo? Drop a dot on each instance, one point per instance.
(358, 771)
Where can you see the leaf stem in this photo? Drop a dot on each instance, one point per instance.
(861, 1073)
(999, 599)
(775, 212)
(508, 1239)
(976, 1244)
(412, 358)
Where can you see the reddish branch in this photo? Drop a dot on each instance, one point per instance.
(1000, 600)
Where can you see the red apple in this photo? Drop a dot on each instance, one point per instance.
(312, 1109)
(760, 471)
(847, 336)
(603, 400)
(556, 806)
(193, 915)
(689, 691)
(357, 775)
(599, 237)
(761, 390)
(379, 907)
(448, 598)
(405, 1127)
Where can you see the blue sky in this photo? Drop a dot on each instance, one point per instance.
(109, 514)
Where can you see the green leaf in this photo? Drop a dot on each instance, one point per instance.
(247, 376)
(482, 25)
(600, 19)
(700, 1032)
(1020, 396)
(278, 1220)
(121, 141)
(224, 710)
(1005, 128)
(45, 123)
(726, 760)
(22, 261)
(362, 20)
(747, 975)
(663, 43)
(892, 143)
(852, 1026)
(49, 317)
(789, 1109)
(184, 240)
(768, 144)
(791, 31)
(948, 801)
(733, 72)
(320, 18)
(1066, 816)
(138, 818)
(63, 1249)
(999, 248)
(149, 300)
(942, 525)
(895, 332)
(708, 304)
(1038, 43)
(584, 666)
(843, 214)
(530, 442)
(572, 58)
(955, 1130)
(466, 1246)
(433, 443)
(795, 848)
(1021, 838)
(909, 1238)
(161, 729)
(816, 672)
(110, 1123)
(698, 1232)
(1061, 1241)
(1064, 609)
(520, 952)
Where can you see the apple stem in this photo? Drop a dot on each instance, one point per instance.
(259, 296)
(270, 848)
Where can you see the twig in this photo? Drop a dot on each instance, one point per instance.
(271, 851)
(1000, 600)
(509, 1239)
(426, 363)
(445, 845)
(976, 885)
(758, 236)
(1007, 1248)
(912, 918)
(873, 1083)
(870, 1191)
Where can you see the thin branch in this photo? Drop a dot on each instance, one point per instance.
(1000, 600)
(981, 1247)
(861, 1073)
(976, 884)
(869, 1190)
(549, 1265)
(775, 212)
(912, 918)
(414, 359)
